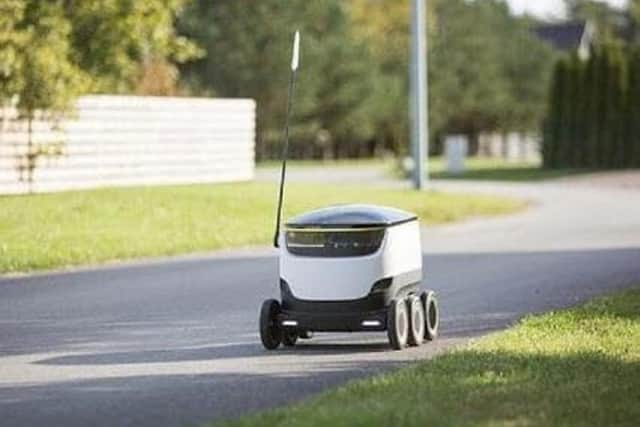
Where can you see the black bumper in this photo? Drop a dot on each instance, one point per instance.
(360, 315)
(336, 322)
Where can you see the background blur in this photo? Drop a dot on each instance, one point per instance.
(556, 79)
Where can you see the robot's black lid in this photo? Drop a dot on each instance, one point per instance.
(352, 216)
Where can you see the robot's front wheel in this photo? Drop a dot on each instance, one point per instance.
(431, 315)
(270, 331)
(416, 320)
(398, 324)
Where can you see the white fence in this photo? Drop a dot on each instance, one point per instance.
(126, 140)
(514, 147)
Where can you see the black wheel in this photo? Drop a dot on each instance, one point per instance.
(270, 330)
(431, 315)
(289, 337)
(417, 323)
(398, 324)
(305, 335)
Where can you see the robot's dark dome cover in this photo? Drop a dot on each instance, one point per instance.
(351, 216)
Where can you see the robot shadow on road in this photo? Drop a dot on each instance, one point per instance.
(212, 353)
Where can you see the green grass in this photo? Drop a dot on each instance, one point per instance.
(579, 367)
(485, 169)
(363, 162)
(63, 229)
(477, 168)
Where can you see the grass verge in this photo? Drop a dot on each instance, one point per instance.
(477, 168)
(578, 367)
(371, 162)
(63, 229)
(485, 169)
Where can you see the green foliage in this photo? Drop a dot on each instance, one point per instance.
(384, 26)
(468, 88)
(601, 58)
(617, 97)
(248, 47)
(112, 40)
(117, 45)
(633, 110)
(591, 93)
(573, 152)
(12, 42)
(634, 20)
(566, 131)
(592, 114)
(554, 123)
(39, 70)
(487, 71)
(49, 79)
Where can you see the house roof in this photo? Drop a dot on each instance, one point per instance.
(566, 36)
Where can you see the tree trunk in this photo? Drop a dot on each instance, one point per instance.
(31, 161)
(473, 143)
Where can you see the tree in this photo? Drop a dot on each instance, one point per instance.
(555, 122)
(527, 68)
(12, 42)
(49, 81)
(114, 41)
(483, 63)
(590, 115)
(479, 51)
(593, 117)
(353, 91)
(617, 92)
(248, 48)
(634, 20)
(573, 108)
(603, 65)
(633, 111)
(384, 25)
(564, 148)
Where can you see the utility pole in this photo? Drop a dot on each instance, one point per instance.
(419, 94)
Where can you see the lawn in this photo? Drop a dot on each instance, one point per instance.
(486, 169)
(63, 229)
(330, 163)
(578, 367)
(477, 168)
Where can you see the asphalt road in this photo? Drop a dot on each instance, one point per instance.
(174, 342)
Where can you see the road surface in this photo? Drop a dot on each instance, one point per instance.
(174, 342)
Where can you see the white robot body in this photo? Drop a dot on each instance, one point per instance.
(320, 278)
(342, 266)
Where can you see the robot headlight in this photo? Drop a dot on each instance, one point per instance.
(334, 242)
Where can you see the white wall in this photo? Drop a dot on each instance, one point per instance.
(127, 140)
(514, 147)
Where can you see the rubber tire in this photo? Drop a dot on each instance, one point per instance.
(417, 321)
(270, 330)
(398, 324)
(305, 335)
(431, 315)
(289, 337)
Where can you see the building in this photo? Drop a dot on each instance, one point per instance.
(569, 37)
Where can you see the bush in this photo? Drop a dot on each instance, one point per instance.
(593, 117)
